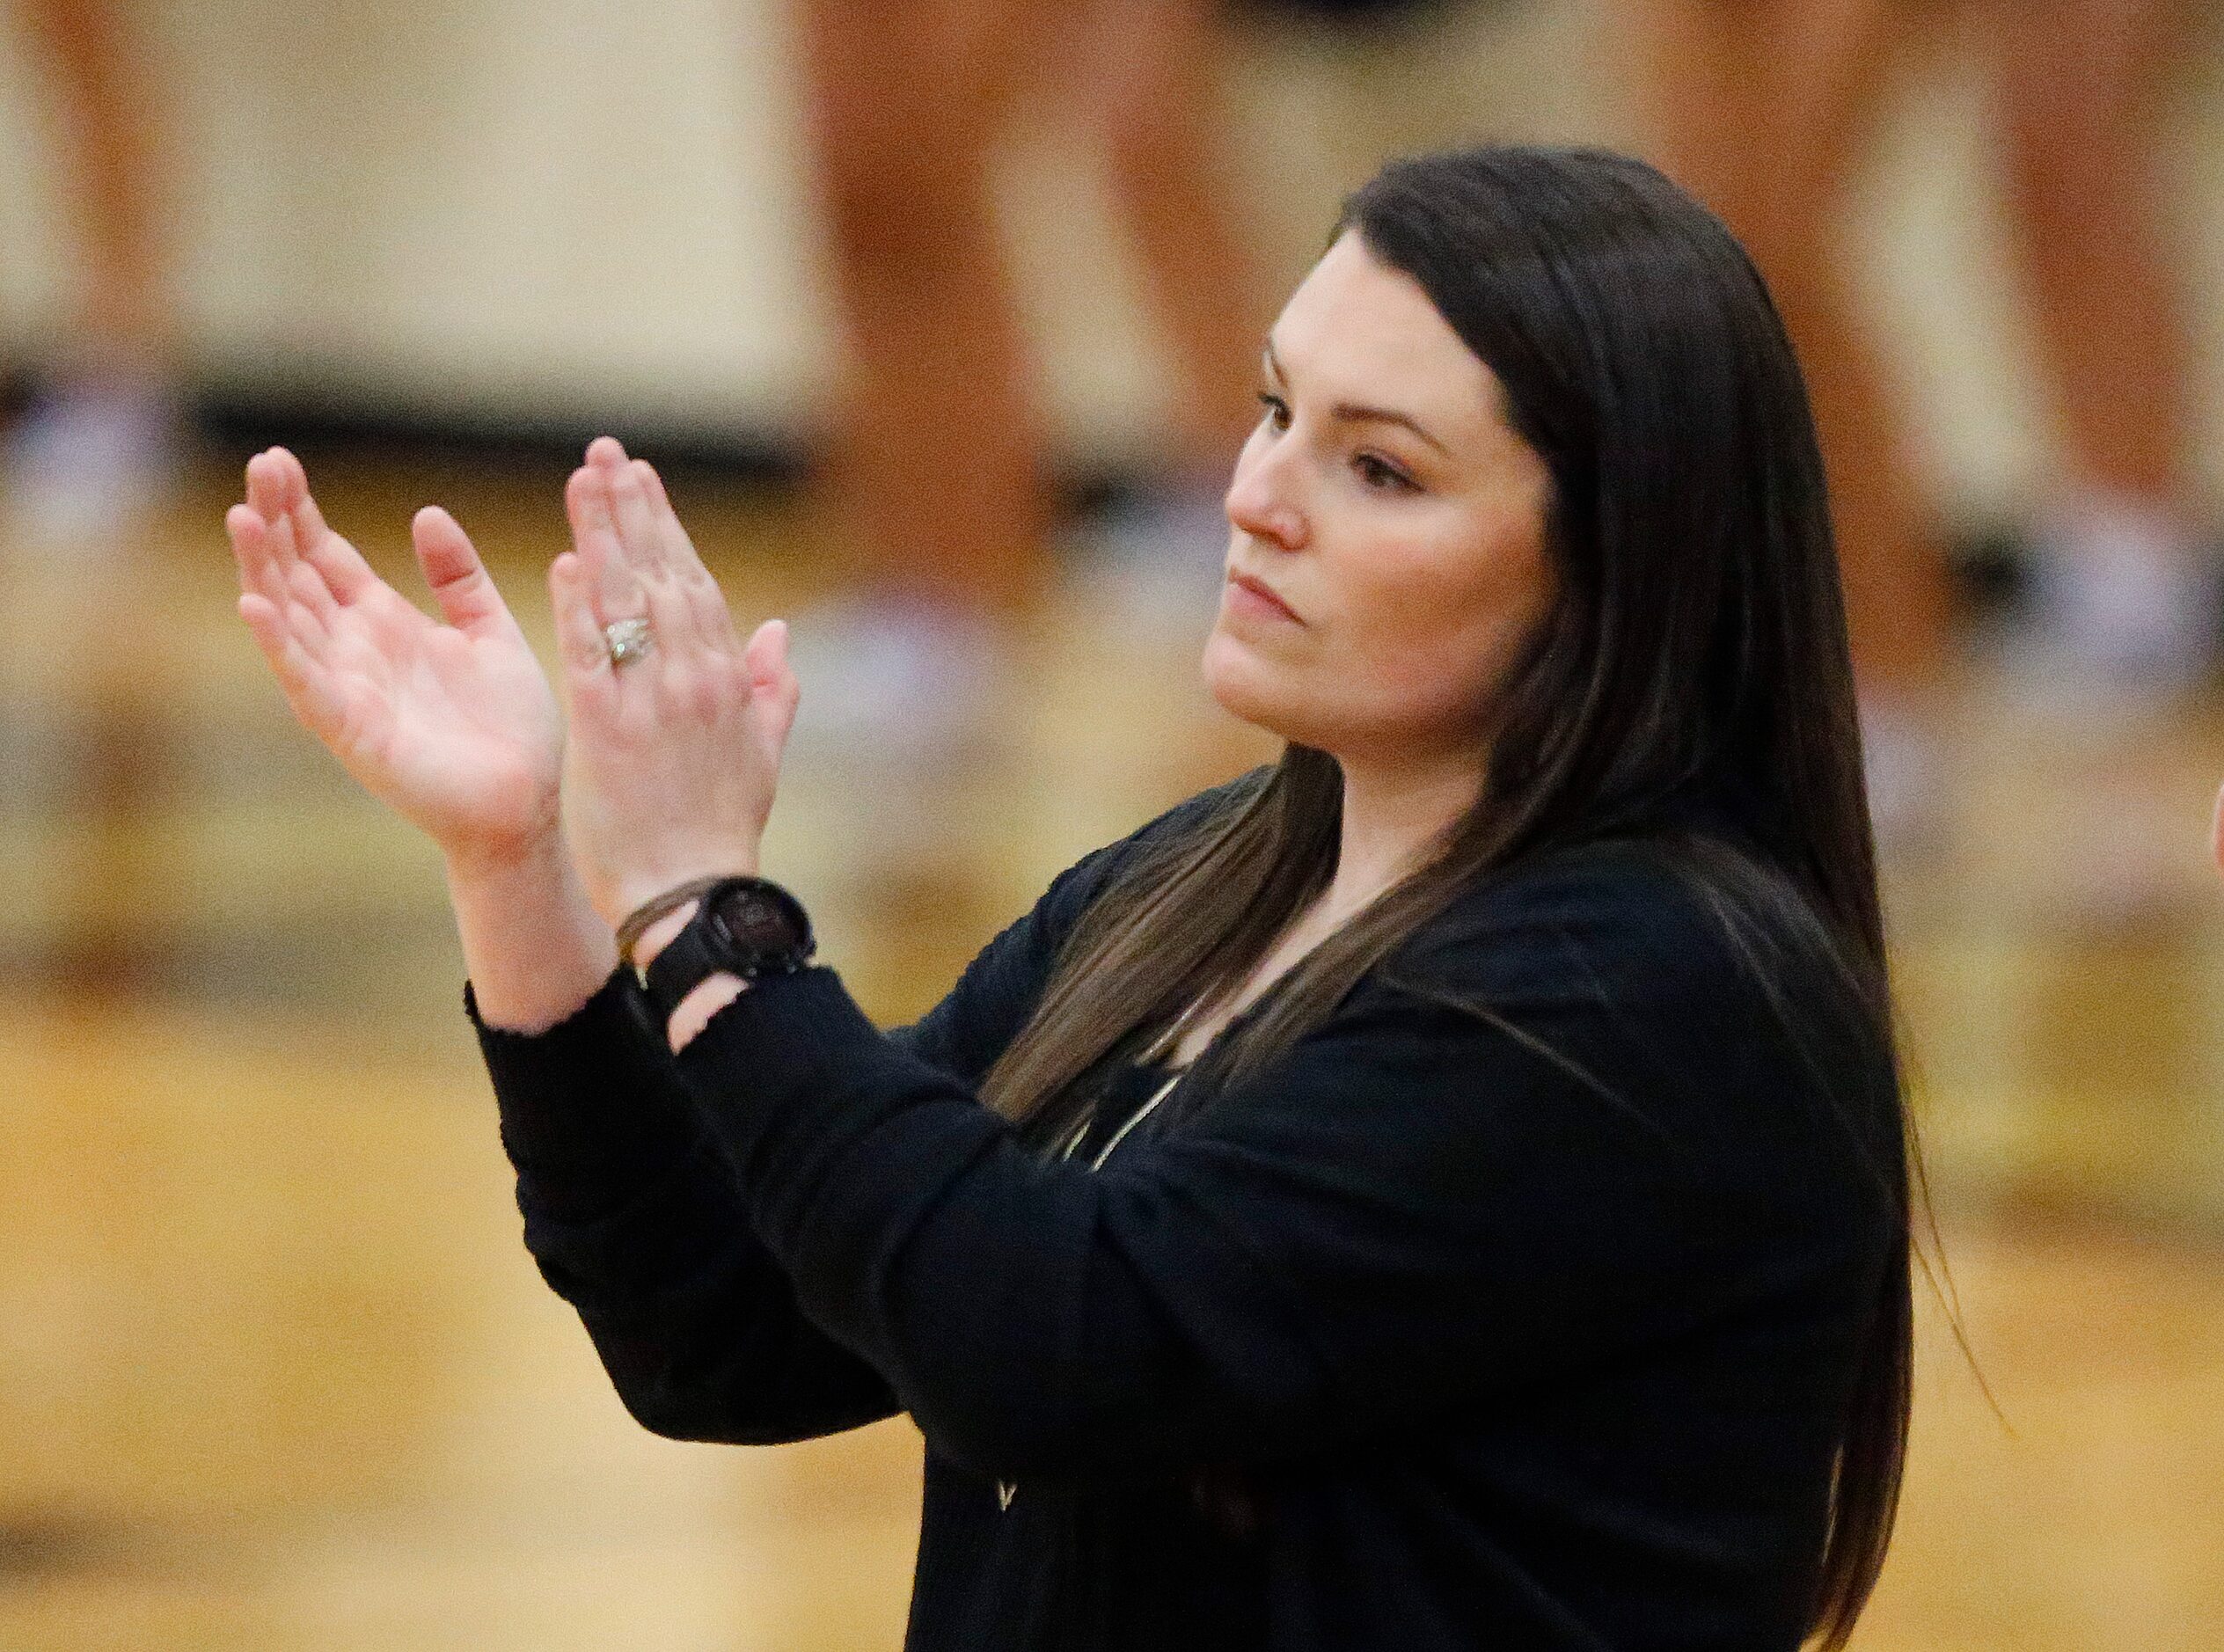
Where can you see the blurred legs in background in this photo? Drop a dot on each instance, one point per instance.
(2123, 587)
(1156, 102)
(1764, 110)
(932, 467)
(2123, 592)
(98, 446)
(938, 461)
(82, 474)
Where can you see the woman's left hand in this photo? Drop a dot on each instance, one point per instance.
(673, 757)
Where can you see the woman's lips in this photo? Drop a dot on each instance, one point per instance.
(1255, 596)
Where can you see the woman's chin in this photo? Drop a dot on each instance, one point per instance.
(1242, 683)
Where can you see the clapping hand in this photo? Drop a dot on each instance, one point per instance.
(669, 769)
(450, 722)
(674, 754)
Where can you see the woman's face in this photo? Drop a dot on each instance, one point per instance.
(1382, 497)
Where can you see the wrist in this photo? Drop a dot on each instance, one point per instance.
(696, 947)
(508, 860)
(632, 893)
(662, 907)
(539, 876)
(711, 995)
(659, 935)
(534, 945)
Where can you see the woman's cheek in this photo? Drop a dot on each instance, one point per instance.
(1444, 688)
(1407, 665)
(1441, 653)
(1413, 604)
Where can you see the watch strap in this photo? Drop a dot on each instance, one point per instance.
(684, 964)
(701, 949)
(638, 922)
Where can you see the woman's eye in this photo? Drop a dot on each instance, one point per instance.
(1277, 410)
(1381, 476)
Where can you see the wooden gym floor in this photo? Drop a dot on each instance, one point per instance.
(275, 1371)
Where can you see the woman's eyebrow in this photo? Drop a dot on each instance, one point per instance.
(1357, 413)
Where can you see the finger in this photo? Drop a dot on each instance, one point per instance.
(705, 603)
(708, 613)
(611, 587)
(664, 604)
(259, 569)
(460, 580)
(679, 550)
(312, 606)
(579, 630)
(344, 569)
(639, 533)
(659, 499)
(265, 501)
(309, 687)
(293, 591)
(267, 492)
(770, 675)
(319, 641)
(766, 654)
(293, 483)
(606, 453)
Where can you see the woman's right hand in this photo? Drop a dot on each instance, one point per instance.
(452, 725)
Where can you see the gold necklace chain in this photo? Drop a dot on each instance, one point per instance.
(1137, 1118)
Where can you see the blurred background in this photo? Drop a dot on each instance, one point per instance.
(942, 322)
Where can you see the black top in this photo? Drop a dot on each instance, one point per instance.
(1441, 1332)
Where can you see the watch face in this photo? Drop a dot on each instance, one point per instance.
(756, 920)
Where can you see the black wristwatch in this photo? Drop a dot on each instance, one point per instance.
(742, 926)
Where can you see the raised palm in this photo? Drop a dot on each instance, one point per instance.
(450, 722)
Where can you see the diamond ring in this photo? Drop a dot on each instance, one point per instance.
(627, 640)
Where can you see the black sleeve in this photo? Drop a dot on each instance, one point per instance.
(1413, 1209)
(634, 1213)
(631, 1217)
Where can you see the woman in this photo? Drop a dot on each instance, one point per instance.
(1446, 1188)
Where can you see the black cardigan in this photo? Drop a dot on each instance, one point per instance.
(1438, 1333)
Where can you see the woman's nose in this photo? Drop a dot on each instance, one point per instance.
(1259, 502)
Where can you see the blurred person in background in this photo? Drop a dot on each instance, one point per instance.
(1767, 107)
(2124, 576)
(98, 445)
(939, 468)
(92, 455)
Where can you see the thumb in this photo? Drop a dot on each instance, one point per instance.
(769, 674)
(467, 598)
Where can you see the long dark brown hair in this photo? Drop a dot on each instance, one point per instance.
(1696, 638)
